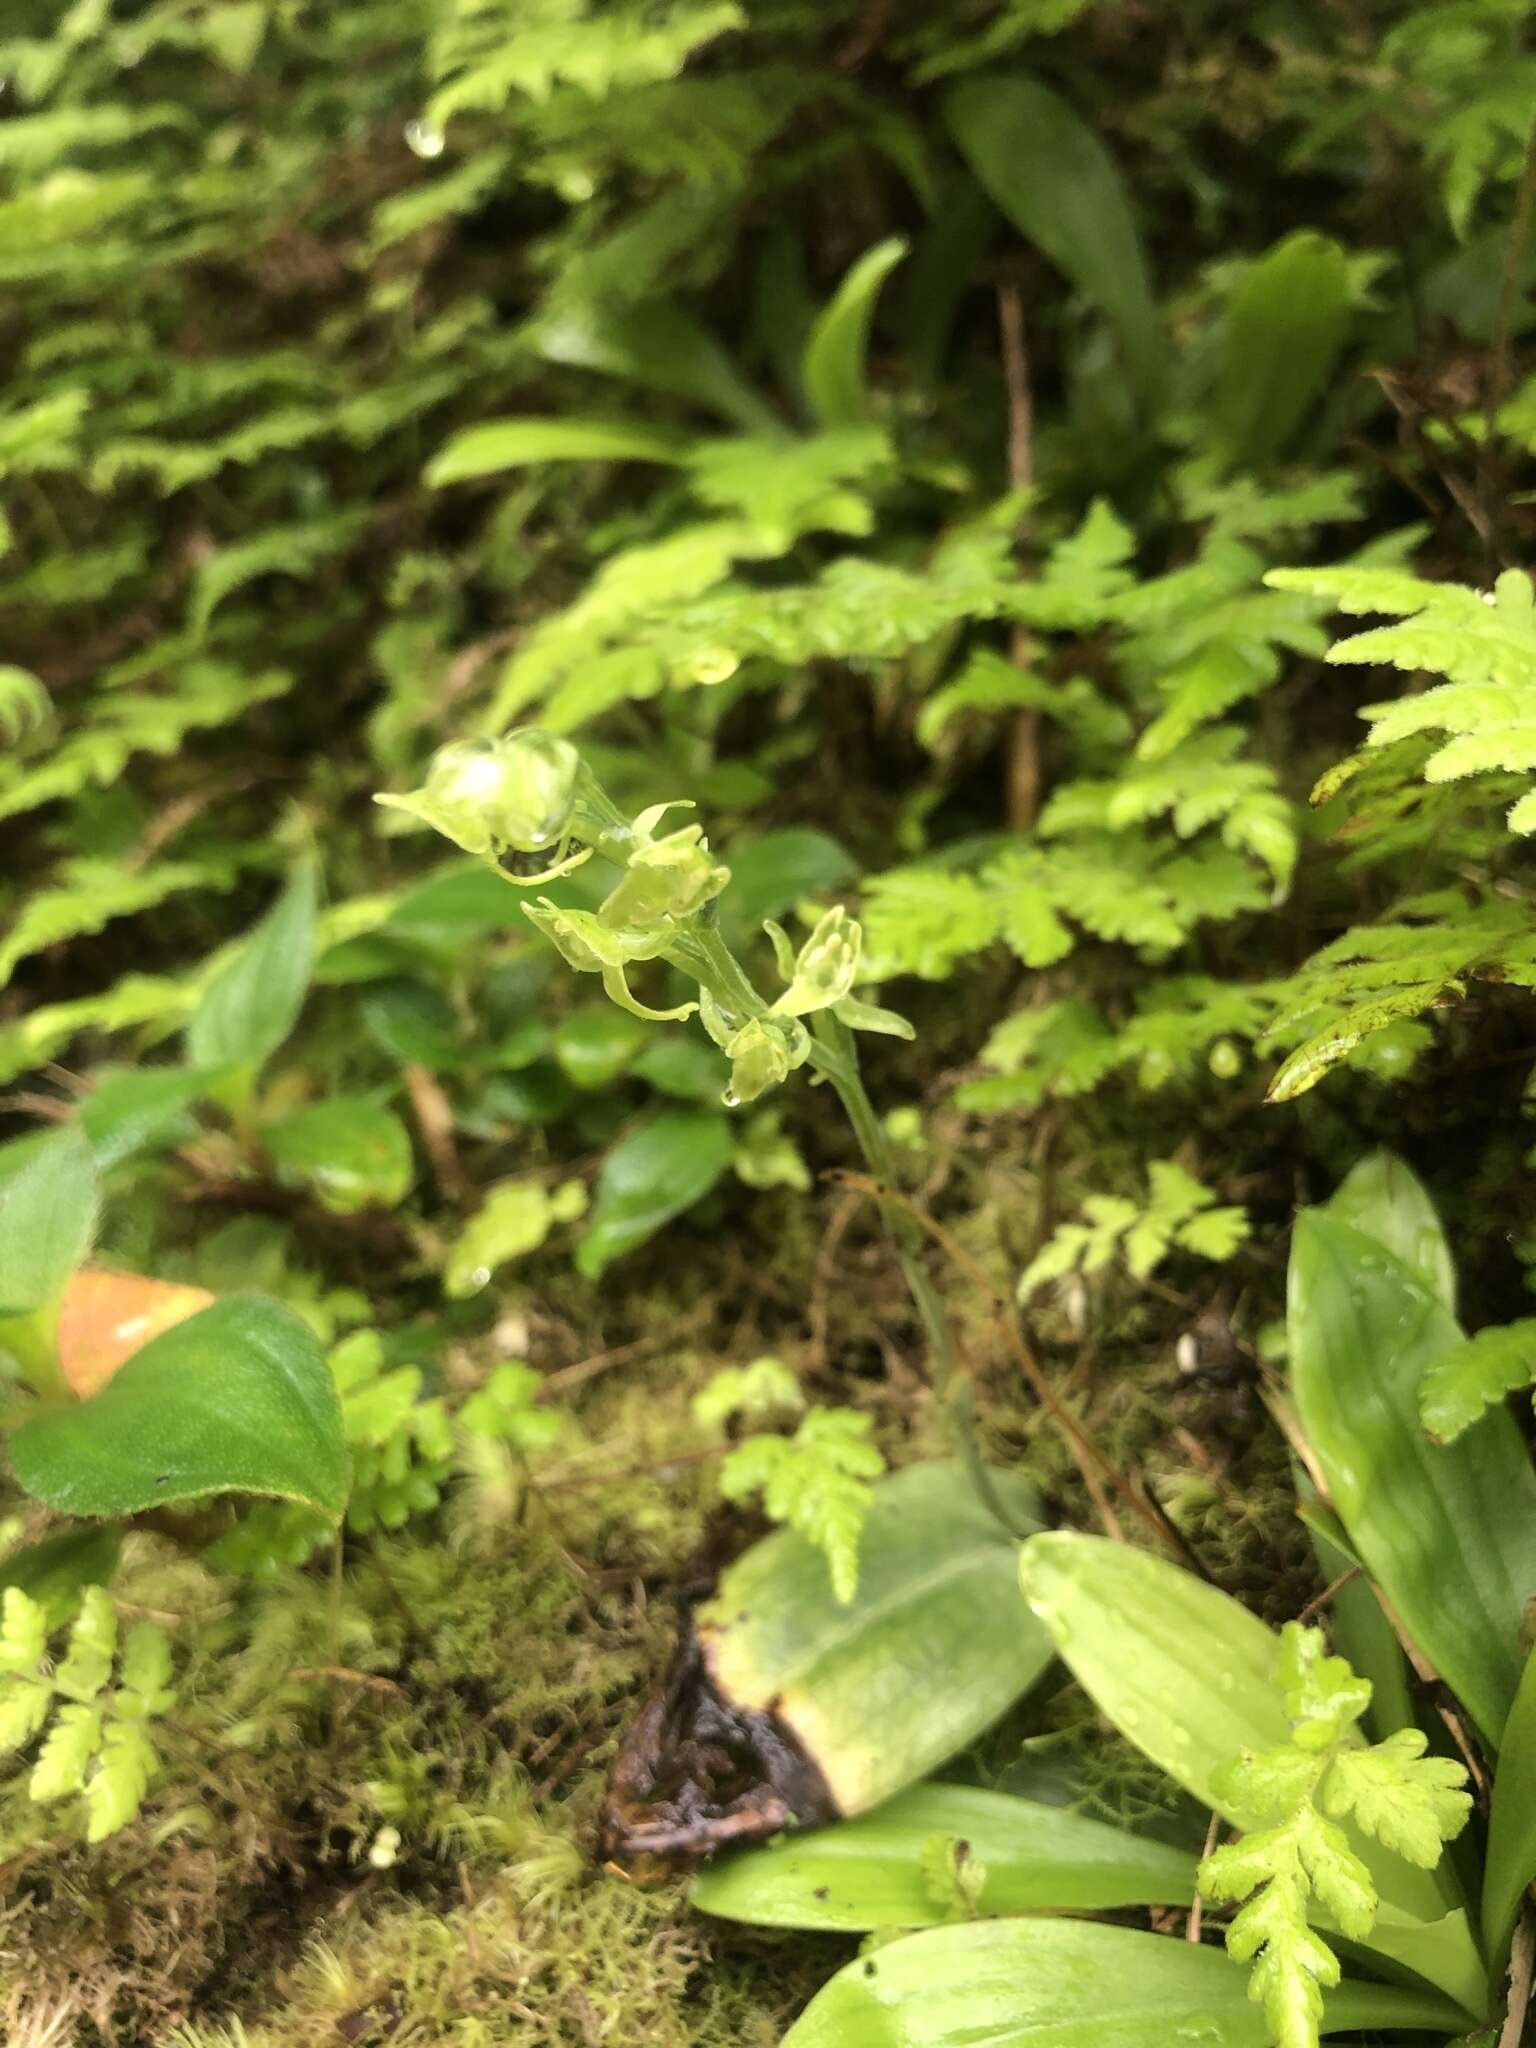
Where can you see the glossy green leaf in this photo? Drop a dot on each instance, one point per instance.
(352, 1153)
(1510, 1864)
(769, 876)
(237, 1399)
(1360, 1630)
(834, 370)
(253, 1002)
(1050, 174)
(512, 444)
(414, 1023)
(659, 345)
(47, 1217)
(1191, 1678)
(1176, 1664)
(654, 1174)
(461, 901)
(933, 1646)
(691, 1069)
(1069, 1984)
(867, 1872)
(1448, 1532)
(1385, 1198)
(595, 1044)
(1285, 325)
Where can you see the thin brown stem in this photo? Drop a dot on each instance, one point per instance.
(1522, 1969)
(622, 1354)
(1024, 741)
(1091, 1462)
(1316, 1605)
(1197, 1909)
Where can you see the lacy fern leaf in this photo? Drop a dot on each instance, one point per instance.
(1295, 1860)
(1179, 1213)
(820, 1482)
(1484, 642)
(98, 1745)
(1462, 1386)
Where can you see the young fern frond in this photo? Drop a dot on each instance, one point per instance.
(98, 1744)
(1179, 1214)
(1465, 1383)
(1484, 642)
(820, 1481)
(1294, 1860)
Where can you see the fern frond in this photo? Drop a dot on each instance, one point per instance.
(1464, 1384)
(1179, 1213)
(820, 1482)
(1485, 644)
(91, 894)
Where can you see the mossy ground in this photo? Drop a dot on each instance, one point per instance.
(464, 1682)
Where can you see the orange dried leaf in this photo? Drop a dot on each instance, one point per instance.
(106, 1317)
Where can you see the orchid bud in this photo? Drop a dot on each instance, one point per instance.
(587, 944)
(487, 795)
(759, 1061)
(562, 932)
(825, 970)
(669, 880)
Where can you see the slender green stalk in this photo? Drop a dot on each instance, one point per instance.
(835, 1055)
(531, 791)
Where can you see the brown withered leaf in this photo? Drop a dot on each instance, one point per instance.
(106, 1317)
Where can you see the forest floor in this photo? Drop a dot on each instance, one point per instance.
(403, 1827)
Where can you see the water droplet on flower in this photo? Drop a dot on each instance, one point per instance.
(480, 1277)
(731, 1099)
(424, 139)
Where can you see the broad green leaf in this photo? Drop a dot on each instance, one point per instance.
(1510, 1865)
(866, 1873)
(352, 1153)
(691, 1069)
(238, 1399)
(512, 444)
(138, 1109)
(1054, 179)
(654, 1174)
(659, 345)
(1177, 1665)
(47, 1217)
(1192, 1679)
(414, 1023)
(1448, 1532)
(769, 876)
(459, 902)
(934, 1645)
(1285, 325)
(1383, 1197)
(1069, 1984)
(834, 371)
(595, 1044)
(253, 1002)
(1360, 1630)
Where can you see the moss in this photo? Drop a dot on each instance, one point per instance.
(379, 1822)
